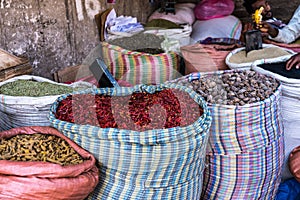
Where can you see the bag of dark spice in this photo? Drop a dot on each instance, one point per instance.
(290, 104)
(25, 100)
(39, 162)
(139, 133)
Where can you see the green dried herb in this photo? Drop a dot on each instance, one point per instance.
(33, 88)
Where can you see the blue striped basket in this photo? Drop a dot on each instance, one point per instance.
(153, 164)
(245, 150)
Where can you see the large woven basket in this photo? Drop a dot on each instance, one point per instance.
(139, 67)
(153, 164)
(246, 147)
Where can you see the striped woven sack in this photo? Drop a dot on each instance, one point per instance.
(152, 164)
(245, 149)
(138, 67)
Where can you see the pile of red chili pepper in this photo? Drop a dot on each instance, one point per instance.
(140, 111)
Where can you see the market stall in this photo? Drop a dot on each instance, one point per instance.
(188, 114)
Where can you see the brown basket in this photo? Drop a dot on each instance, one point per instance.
(11, 65)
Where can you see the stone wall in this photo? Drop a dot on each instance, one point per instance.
(55, 34)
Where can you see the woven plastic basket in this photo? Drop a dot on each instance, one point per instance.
(153, 164)
(246, 147)
(139, 67)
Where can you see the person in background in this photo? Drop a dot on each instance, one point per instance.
(267, 15)
(287, 34)
(252, 5)
(294, 61)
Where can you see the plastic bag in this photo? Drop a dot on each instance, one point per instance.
(37, 180)
(184, 13)
(132, 161)
(222, 27)
(209, 9)
(290, 111)
(19, 111)
(205, 57)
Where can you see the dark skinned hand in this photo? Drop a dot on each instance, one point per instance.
(294, 61)
(266, 29)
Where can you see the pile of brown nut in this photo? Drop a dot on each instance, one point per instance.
(235, 87)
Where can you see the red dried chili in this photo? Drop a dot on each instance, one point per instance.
(140, 111)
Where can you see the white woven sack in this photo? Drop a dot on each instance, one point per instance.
(247, 65)
(180, 34)
(18, 111)
(290, 104)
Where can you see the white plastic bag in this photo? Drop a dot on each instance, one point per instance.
(223, 27)
(247, 65)
(17, 111)
(290, 106)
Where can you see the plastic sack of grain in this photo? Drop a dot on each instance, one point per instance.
(205, 57)
(139, 67)
(290, 105)
(18, 111)
(152, 164)
(245, 149)
(37, 180)
(223, 27)
(180, 35)
(184, 13)
(237, 59)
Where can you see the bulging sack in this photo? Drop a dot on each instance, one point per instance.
(290, 105)
(245, 150)
(210, 9)
(19, 111)
(144, 164)
(37, 180)
(222, 27)
(184, 13)
(237, 58)
(205, 57)
(139, 67)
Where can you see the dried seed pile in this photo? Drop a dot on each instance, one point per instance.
(33, 88)
(139, 41)
(265, 53)
(38, 147)
(150, 50)
(235, 88)
(139, 111)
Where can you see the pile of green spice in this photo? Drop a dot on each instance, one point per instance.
(33, 88)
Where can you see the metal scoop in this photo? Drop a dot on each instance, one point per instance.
(253, 40)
